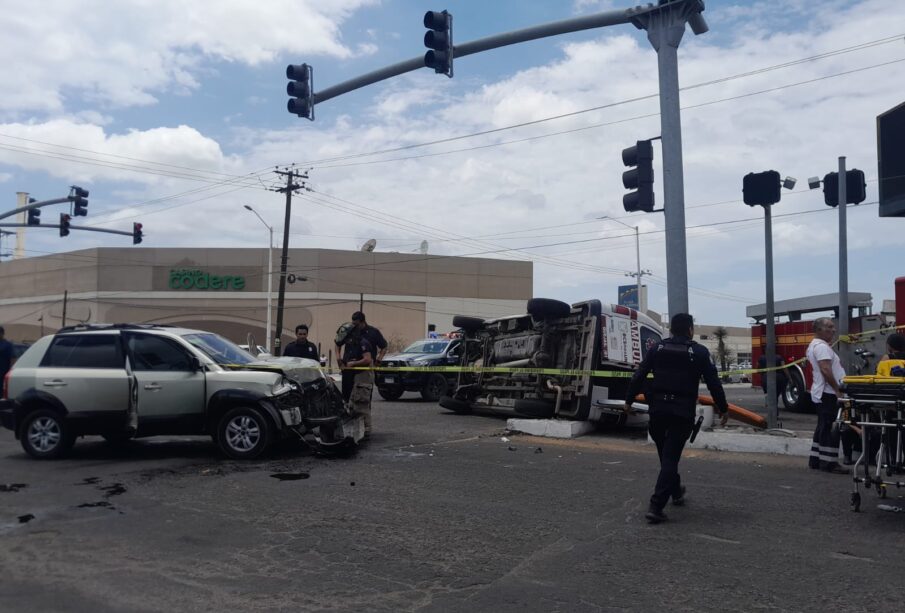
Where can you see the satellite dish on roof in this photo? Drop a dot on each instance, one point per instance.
(369, 245)
(423, 247)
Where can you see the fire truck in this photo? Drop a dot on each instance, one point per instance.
(868, 331)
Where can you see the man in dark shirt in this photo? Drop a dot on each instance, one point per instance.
(6, 355)
(301, 347)
(371, 333)
(678, 364)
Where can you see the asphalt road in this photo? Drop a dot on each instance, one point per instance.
(438, 513)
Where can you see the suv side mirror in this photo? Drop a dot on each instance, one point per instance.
(196, 364)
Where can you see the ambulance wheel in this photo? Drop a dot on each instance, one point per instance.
(547, 308)
(469, 324)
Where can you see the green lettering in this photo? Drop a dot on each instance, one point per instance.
(201, 281)
(174, 279)
(239, 282)
(188, 281)
(215, 282)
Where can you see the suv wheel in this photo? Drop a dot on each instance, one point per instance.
(434, 387)
(45, 435)
(244, 433)
(393, 392)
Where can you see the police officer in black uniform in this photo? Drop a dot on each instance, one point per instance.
(678, 364)
(301, 347)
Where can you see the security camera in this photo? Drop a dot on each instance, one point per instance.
(789, 182)
(814, 182)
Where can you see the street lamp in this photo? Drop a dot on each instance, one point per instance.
(269, 277)
(639, 272)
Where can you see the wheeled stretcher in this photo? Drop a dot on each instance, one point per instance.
(876, 408)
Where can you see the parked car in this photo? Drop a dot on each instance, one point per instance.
(428, 352)
(134, 380)
(571, 361)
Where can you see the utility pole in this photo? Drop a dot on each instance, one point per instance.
(290, 188)
(65, 302)
(639, 273)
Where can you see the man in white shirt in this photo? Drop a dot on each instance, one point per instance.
(827, 371)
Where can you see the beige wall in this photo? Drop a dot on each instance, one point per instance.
(402, 293)
(738, 341)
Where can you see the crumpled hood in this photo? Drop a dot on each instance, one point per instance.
(301, 370)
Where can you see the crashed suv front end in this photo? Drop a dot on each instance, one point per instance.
(310, 402)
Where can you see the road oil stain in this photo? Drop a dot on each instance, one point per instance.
(12, 487)
(101, 504)
(90, 481)
(24, 519)
(116, 489)
(290, 476)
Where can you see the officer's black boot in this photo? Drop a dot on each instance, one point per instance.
(679, 499)
(655, 514)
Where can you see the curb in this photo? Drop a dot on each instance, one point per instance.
(783, 442)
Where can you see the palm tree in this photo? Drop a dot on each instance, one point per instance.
(723, 353)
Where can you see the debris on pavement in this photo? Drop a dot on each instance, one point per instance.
(12, 487)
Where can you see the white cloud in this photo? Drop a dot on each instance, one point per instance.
(84, 152)
(126, 53)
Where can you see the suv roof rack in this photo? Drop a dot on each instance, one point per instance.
(98, 326)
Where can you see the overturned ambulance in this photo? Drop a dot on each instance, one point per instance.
(570, 362)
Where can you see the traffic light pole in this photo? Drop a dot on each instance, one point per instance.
(770, 354)
(843, 261)
(665, 28)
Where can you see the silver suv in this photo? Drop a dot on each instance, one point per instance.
(124, 381)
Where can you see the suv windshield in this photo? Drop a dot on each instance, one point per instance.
(426, 347)
(219, 349)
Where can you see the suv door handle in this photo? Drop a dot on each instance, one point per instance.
(55, 383)
(152, 386)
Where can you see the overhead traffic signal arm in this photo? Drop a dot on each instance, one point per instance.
(639, 177)
(634, 15)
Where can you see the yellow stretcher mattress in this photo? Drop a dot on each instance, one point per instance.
(873, 380)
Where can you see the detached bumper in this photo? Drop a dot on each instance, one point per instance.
(8, 414)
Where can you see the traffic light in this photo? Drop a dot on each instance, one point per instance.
(137, 234)
(65, 218)
(301, 87)
(439, 40)
(855, 188)
(34, 217)
(761, 188)
(79, 199)
(640, 178)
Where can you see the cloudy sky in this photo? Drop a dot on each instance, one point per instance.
(174, 114)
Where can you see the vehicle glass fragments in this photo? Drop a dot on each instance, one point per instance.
(426, 347)
(219, 349)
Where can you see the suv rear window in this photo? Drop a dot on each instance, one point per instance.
(84, 351)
